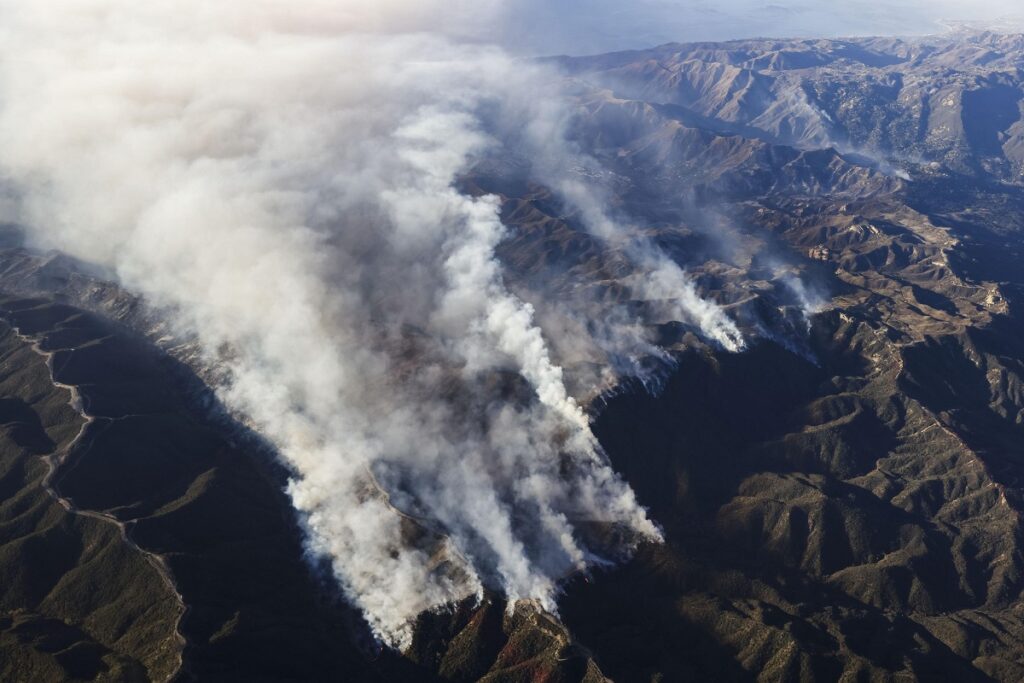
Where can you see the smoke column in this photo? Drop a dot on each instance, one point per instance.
(280, 178)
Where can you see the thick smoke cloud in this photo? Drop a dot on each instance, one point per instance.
(280, 179)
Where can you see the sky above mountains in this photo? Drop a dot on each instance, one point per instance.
(593, 26)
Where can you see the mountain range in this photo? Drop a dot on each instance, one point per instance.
(841, 500)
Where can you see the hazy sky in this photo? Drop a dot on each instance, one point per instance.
(587, 26)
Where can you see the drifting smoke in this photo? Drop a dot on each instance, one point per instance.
(660, 281)
(281, 180)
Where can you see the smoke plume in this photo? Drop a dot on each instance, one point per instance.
(281, 180)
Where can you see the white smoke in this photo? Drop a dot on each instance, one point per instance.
(660, 281)
(281, 177)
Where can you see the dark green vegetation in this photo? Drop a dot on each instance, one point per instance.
(840, 502)
(76, 601)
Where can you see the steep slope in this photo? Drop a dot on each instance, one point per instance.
(77, 601)
(189, 506)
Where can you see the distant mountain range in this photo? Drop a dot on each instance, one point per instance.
(603, 25)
